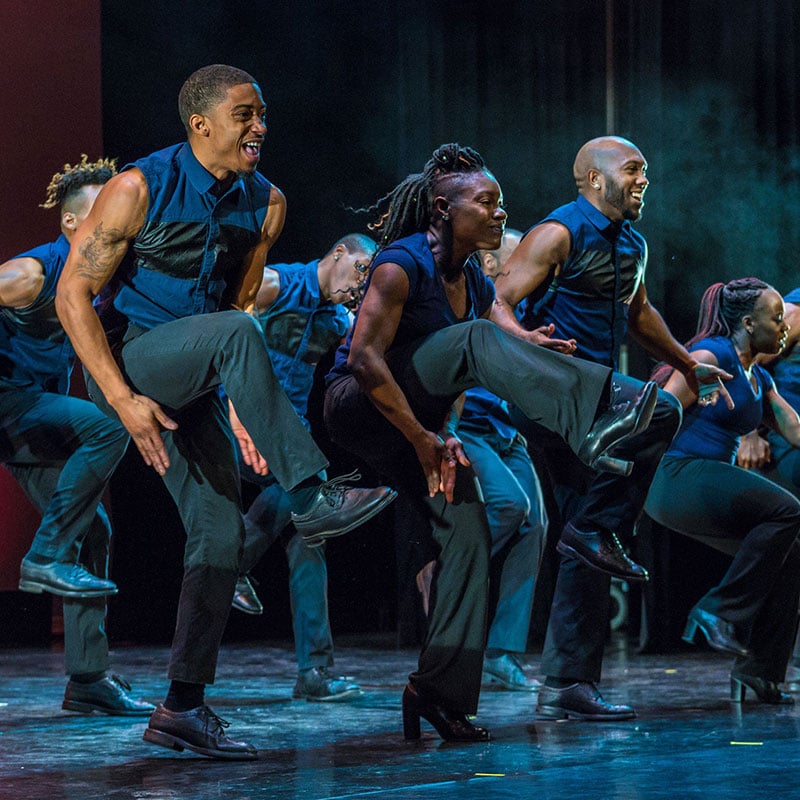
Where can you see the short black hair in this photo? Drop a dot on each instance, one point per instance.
(207, 87)
(65, 185)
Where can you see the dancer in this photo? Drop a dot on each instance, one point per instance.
(302, 310)
(420, 339)
(62, 450)
(582, 273)
(198, 221)
(752, 612)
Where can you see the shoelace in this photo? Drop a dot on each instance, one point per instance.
(334, 489)
(211, 717)
(121, 682)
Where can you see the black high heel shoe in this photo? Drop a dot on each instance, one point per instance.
(766, 691)
(452, 726)
(719, 634)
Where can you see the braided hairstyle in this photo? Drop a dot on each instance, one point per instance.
(408, 208)
(67, 184)
(721, 310)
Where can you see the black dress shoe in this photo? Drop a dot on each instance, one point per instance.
(337, 509)
(65, 580)
(766, 691)
(245, 597)
(601, 550)
(581, 700)
(616, 423)
(719, 634)
(200, 730)
(452, 726)
(109, 695)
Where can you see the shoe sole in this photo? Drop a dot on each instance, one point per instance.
(562, 713)
(334, 698)
(175, 743)
(246, 610)
(88, 708)
(567, 550)
(35, 587)
(493, 681)
(316, 539)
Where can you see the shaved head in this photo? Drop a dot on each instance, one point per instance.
(597, 153)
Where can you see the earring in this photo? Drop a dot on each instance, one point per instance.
(336, 257)
(596, 185)
(445, 217)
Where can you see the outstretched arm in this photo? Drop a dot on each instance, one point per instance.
(95, 254)
(539, 255)
(648, 328)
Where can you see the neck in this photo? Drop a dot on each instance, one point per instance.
(741, 343)
(323, 278)
(448, 258)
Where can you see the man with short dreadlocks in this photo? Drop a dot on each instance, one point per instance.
(62, 450)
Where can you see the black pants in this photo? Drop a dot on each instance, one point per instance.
(741, 513)
(580, 613)
(562, 393)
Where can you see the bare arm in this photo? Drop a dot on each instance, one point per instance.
(375, 330)
(253, 274)
(649, 329)
(783, 418)
(539, 255)
(268, 291)
(95, 254)
(21, 281)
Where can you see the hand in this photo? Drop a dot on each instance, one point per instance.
(454, 454)
(705, 380)
(541, 336)
(438, 459)
(753, 451)
(144, 419)
(250, 454)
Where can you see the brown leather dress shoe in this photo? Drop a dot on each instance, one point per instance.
(200, 730)
(581, 700)
(245, 597)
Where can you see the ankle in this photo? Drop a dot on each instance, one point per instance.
(183, 696)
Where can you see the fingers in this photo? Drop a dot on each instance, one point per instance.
(153, 452)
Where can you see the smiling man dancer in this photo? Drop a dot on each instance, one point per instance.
(185, 232)
(585, 266)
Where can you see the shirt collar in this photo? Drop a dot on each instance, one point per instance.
(200, 178)
(599, 220)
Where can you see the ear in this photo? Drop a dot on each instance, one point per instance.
(747, 323)
(594, 177)
(197, 125)
(489, 263)
(441, 205)
(69, 221)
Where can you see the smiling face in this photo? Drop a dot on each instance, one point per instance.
(766, 325)
(228, 138)
(623, 182)
(474, 207)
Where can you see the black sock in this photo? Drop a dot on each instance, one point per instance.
(184, 696)
(493, 652)
(87, 677)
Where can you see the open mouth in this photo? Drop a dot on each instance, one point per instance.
(252, 150)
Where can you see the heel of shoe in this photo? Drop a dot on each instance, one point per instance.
(77, 706)
(163, 739)
(689, 631)
(32, 588)
(411, 727)
(738, 690)
(616, 466)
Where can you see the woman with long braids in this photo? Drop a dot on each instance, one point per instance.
(698, 490)
(420, 339)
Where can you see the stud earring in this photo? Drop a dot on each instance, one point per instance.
(445, 217)
(336, 257)
(596, 185)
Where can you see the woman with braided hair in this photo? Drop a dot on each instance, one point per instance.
(698, 490)
(420, 339)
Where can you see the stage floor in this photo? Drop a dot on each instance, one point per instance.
(688, 740)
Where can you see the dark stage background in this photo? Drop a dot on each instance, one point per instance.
(358, 96)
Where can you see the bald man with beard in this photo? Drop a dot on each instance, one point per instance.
(581, 273)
